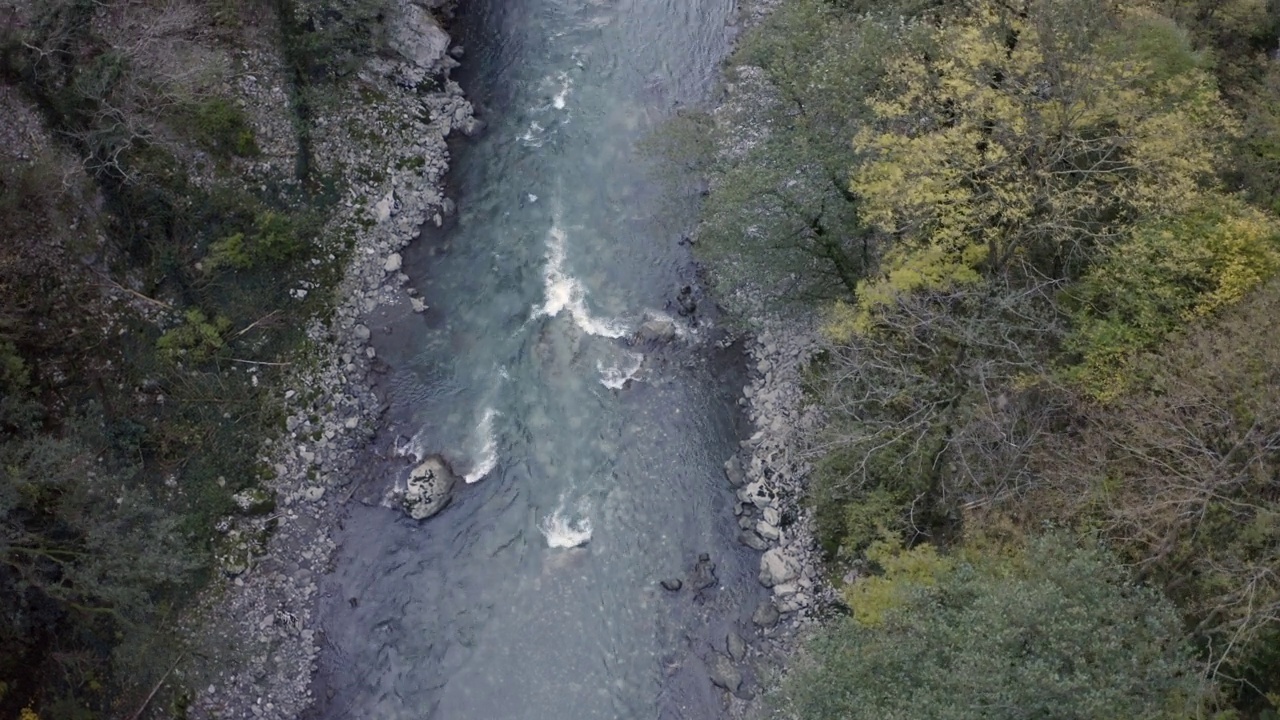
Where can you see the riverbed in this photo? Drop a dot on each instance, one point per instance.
(591, 462)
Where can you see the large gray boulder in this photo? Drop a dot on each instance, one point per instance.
(429, 488)
(416, 36)
(777, 567)
(655, 330)
(723, 673)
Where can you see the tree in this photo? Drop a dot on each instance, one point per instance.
(1024, 139)
(1047, 631)
(936, 406)
(1163, 277)
(1179, 471)
(780, 219)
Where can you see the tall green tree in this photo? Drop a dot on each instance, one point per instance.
(1026, 138)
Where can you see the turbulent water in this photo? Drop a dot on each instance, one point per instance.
(592, 466)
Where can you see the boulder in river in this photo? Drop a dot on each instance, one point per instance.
(733, 471)
(766, 615)
(736, 646)
(655, 330)
(672, 584)
(704, 573)
(752, 540)
(723, 673)
(429, 488)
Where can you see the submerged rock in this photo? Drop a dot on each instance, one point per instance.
(736, 646)
(723, 673)
(766, 615)
(429, 488)
(704, 573)
(672, 584)
(752, 540)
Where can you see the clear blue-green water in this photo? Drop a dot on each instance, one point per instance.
(535, 594)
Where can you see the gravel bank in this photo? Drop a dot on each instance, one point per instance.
(255, 645)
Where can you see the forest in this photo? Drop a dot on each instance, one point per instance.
(149, 241)
(1040, 240)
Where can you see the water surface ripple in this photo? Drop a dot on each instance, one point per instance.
(593, 466)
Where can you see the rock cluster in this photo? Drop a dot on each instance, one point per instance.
(769, 473)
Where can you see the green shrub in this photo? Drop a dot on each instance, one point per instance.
(197, 339)
(222, 128)
(1056, 631)
(1166, 275)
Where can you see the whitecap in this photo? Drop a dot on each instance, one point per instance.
(413, 447)
(565, 292)
(566, 84)
(615, 377)
(560, 532)
(489, 448)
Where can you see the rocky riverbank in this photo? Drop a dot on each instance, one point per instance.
(382, 135)
(770, 471)
(769, 474)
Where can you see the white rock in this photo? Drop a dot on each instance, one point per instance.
(393, 263)
(777, 567)
(417, 37)
(768, 531)
(786, 589)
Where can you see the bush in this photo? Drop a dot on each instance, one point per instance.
(1166, 275)
(222, 129)
(1055, 631)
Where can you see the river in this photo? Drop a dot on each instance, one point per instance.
(593, 466)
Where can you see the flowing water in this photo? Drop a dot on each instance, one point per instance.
(592, 465)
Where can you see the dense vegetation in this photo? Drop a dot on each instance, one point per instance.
(1041, 238)
(147, 254)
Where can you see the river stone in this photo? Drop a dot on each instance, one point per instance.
(766, 615)
(723, 673)
(672, 584)
(429, 488)
(786, 589)
(733, 471)
(704, 573)
(752, 540)
(736, 646)
(656, 330)
(768, 531)
(777, 567)
(758, 494)
(393, 263)
(772, 516)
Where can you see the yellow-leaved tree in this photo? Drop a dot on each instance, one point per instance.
(1027, 137)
